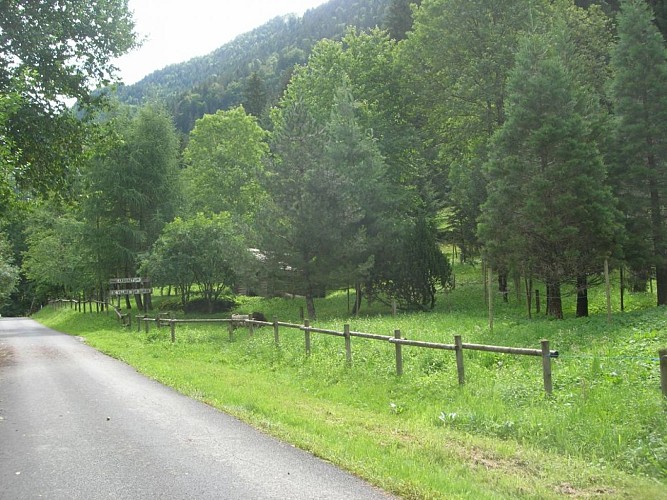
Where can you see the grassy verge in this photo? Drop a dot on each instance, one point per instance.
(602, 434)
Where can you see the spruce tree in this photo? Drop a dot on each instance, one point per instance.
(549, 206)
(639, 94)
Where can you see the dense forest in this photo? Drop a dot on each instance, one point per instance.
(345, 149)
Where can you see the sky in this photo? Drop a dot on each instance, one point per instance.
(178, 30)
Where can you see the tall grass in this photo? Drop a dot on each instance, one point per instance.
(602, 432)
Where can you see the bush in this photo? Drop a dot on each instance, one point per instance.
(201, 305)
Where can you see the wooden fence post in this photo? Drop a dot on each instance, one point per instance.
(607, 289)
(491, 297)
(663, 371)
(251, 328)
(306, 323)
(139, 318)
(231, 331)
(399, 354)
(172, 326)
(546, 366)
(348, 344)
(276, 334)
(146, 324)
(459, 358)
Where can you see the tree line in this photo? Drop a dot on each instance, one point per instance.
(528, 133)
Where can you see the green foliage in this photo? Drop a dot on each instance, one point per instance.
(224, 164)
(413, 269)
(398, 19)
(50, 51)
(9, 272)
(328, 186)
(130, 189)
(57, 259)
(549, 211)
(204, 250)
(639, 94)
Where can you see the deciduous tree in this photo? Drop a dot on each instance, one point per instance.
(224, 164)
(51, 51)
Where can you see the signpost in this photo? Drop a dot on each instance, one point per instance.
(129, 286)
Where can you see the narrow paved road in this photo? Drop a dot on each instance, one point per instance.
(75, 423)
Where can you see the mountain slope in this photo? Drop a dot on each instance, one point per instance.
(257, 63)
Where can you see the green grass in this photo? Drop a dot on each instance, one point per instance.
(603, 432)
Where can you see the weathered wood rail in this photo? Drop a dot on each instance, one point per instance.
(237, 321)
(397, 340)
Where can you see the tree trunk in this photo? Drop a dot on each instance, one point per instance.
(661, 282)
(582, 296)
(310, 305)
(659, 236)
(554, 302)
(357, 299)
(529, 296)
(638, 280)
(128, 304)
(139, 301)
(502, 285)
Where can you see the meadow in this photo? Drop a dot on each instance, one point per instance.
(602, 433)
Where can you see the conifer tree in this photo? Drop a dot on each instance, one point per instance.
(639, 93)
(548, 205)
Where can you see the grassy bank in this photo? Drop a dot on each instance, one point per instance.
(602, 433)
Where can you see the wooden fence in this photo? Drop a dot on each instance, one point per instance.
(236, 321)
(397, 340)
(80, 305)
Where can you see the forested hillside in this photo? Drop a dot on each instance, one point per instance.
(253, 69)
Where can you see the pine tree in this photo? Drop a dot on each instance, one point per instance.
(328, 191)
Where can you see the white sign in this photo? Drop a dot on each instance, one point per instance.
(136, 291)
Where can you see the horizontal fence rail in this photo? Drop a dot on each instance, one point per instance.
(398, 341)
(238, 321)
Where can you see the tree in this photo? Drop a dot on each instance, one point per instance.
(411, 267)
(51, 51)
(57, 260)
(9, 273)
(255, 98)
(131, 190)
(639, 95)
(224, 167)
(458, 58)
(549, 206)
(206, 250)
(398, 19)
(327, 187)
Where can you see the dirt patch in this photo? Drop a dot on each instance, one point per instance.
(570, 491)
(6, 355)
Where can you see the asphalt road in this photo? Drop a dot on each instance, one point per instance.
(75, 423)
